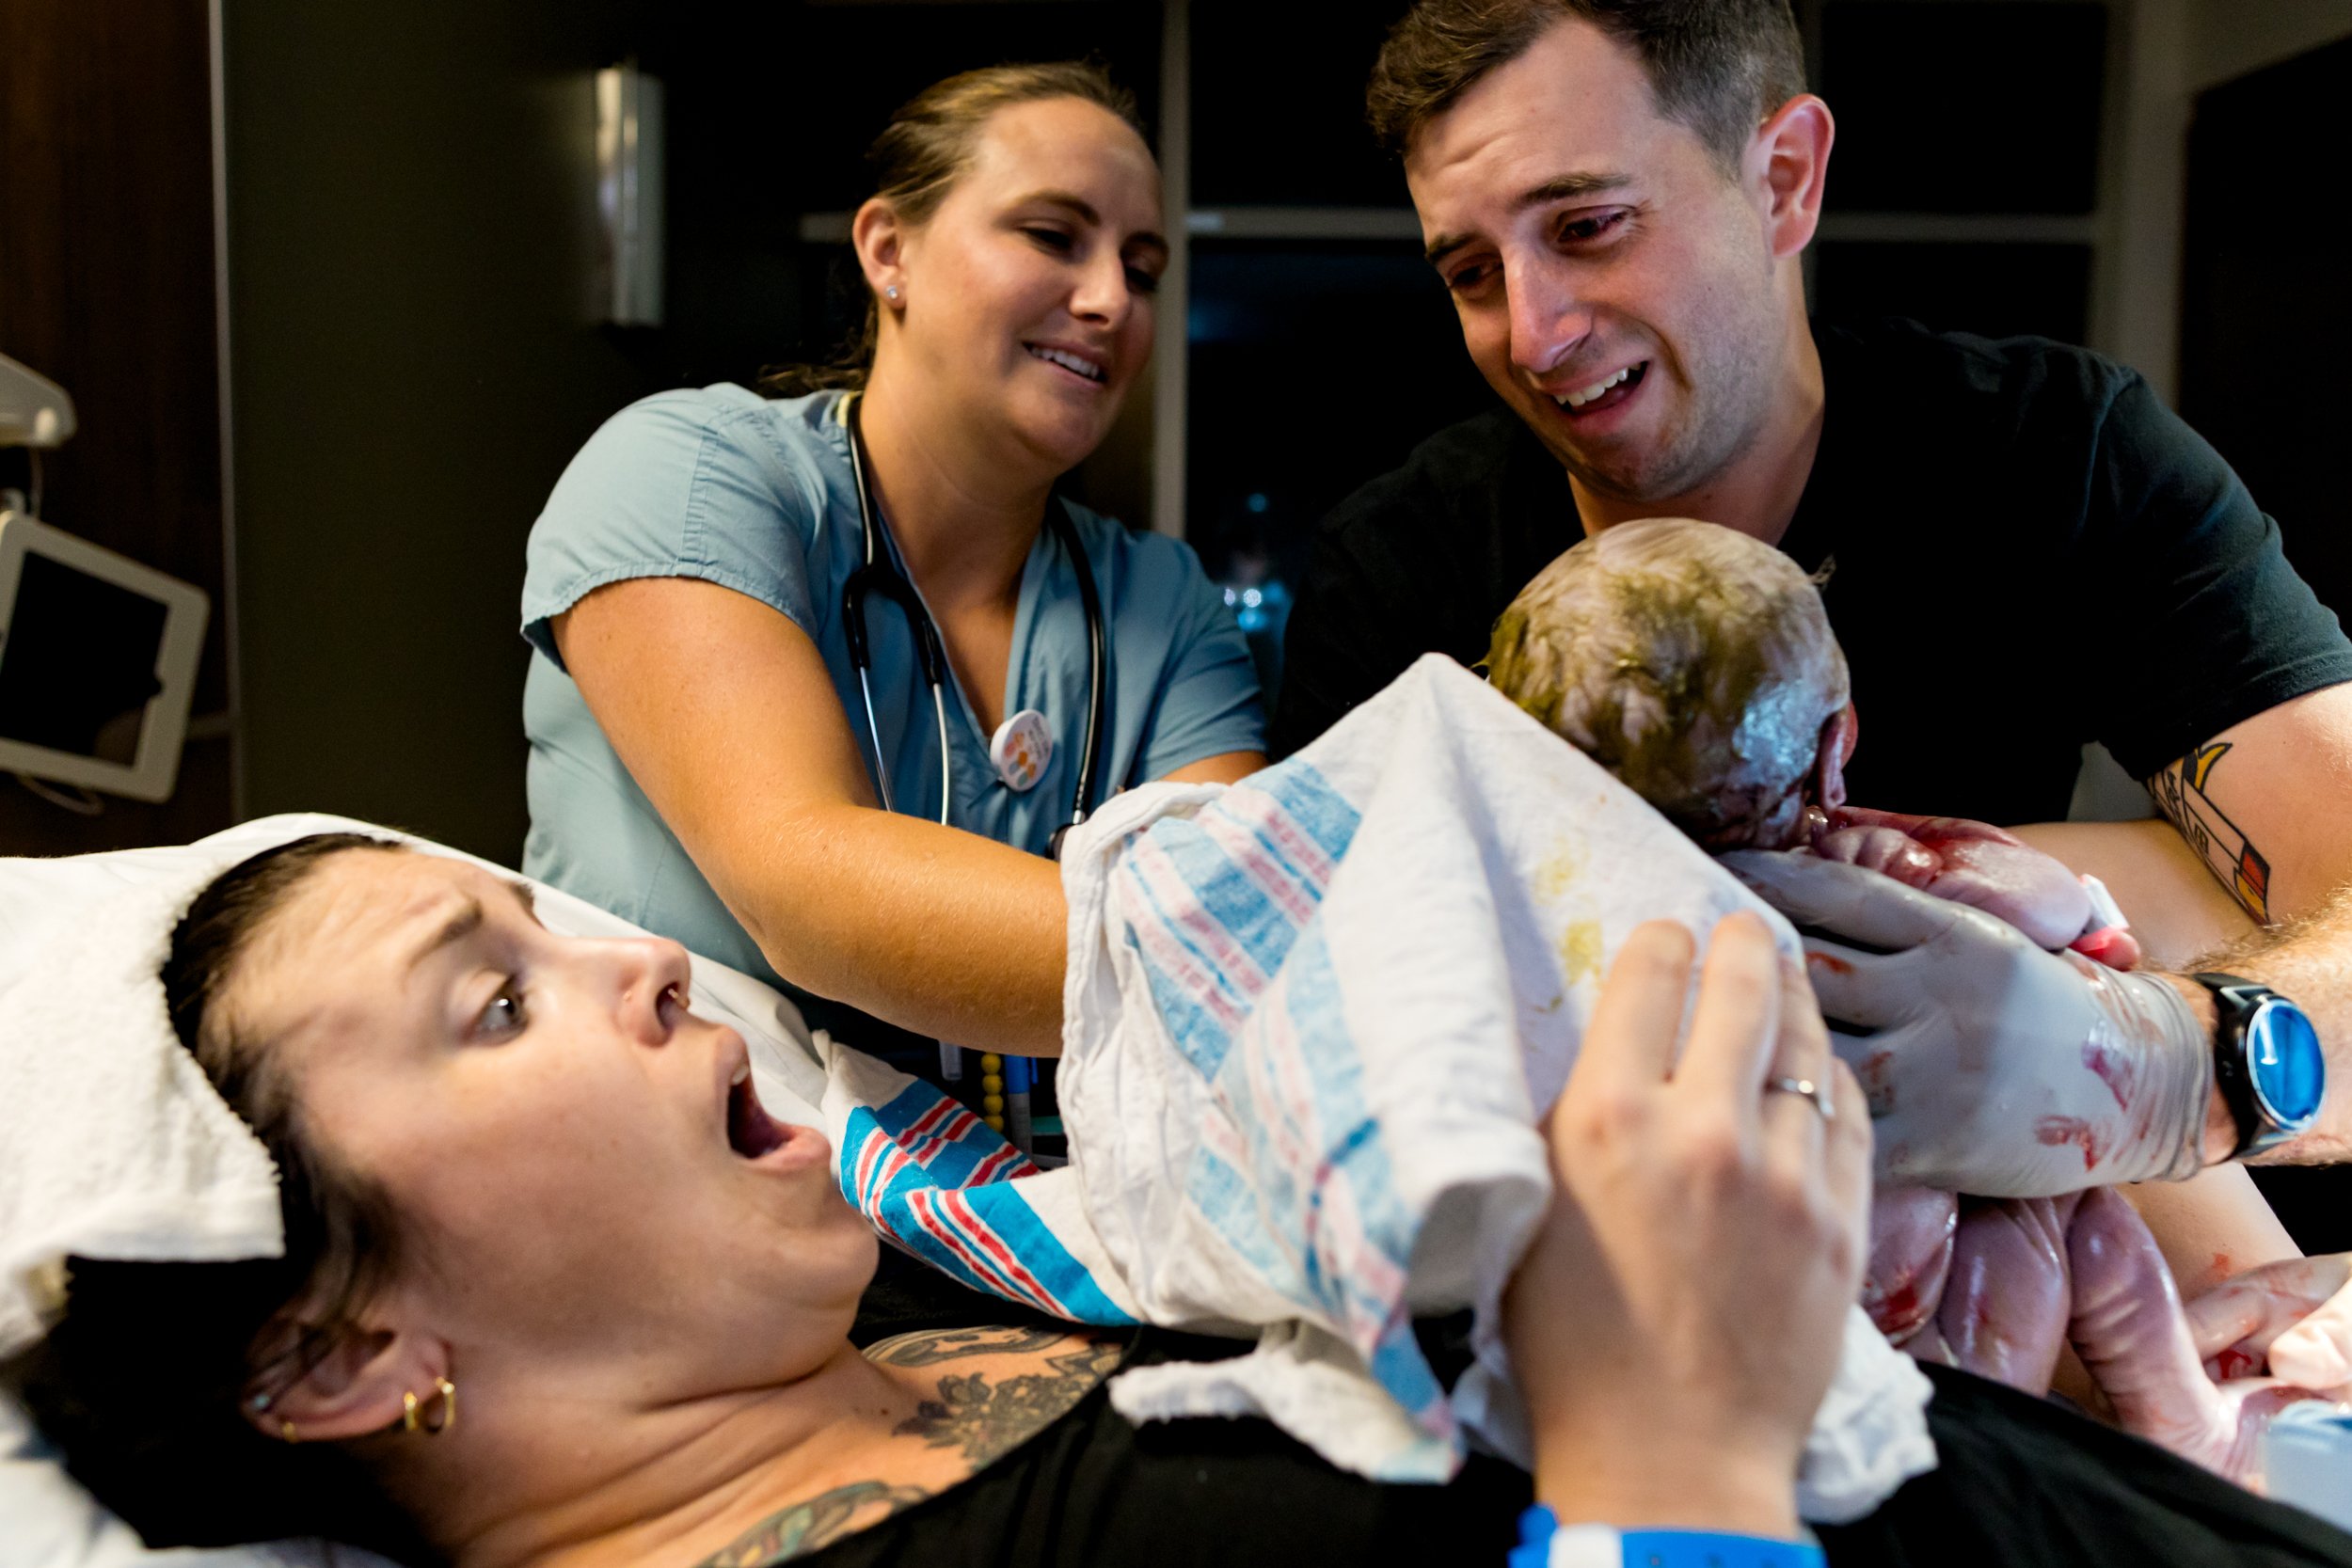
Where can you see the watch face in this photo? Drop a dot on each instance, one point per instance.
(2284, 1058)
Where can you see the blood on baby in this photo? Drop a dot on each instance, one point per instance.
(2237, 1361)
(2058, 1130)
(1901, 1315)
(2223, 1266)
(1829, 961)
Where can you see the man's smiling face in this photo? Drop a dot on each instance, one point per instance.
(1617, 285)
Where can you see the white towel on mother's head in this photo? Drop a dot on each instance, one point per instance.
(1308, 1023)
(118, 1145)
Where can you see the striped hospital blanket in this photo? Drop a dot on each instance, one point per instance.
(1310, 1020)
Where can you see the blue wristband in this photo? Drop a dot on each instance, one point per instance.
(1669, 1548)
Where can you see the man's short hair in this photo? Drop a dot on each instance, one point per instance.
(1718, 66)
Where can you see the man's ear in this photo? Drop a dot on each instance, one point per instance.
(879, 241)
(1787, 170)
(356, 1387)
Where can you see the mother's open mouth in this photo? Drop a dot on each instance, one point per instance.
(751, 1131)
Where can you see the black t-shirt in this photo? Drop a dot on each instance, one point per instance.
(2031, 552)
(2021, 1480)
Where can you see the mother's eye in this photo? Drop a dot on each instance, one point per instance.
(1052, 238)
(506, 1016)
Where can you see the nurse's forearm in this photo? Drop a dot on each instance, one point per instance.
(937, 930)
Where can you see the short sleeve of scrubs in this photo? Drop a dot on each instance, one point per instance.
(1208, 703)
(685, 485)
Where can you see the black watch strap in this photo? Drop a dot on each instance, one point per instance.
(2236, 1000)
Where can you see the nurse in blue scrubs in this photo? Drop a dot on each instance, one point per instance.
(702, 757)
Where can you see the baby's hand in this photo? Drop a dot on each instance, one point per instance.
(1968, 863)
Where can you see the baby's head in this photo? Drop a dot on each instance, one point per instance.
(1695, 663)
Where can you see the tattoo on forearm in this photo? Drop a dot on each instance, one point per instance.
(2241, 868)
(986, 1421)
(819, 1522)
(930, 1348)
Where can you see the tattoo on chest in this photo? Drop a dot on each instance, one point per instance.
(818, 1522)
(2241, 868)
(968, 1413)
(985, 1420)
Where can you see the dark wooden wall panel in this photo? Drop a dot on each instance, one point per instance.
(416, 356)
(106, 287)
(2266, 320)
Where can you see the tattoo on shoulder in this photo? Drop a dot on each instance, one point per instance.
(819, 1522)
(2180, 792)
(985, 1420)
(953, 1344)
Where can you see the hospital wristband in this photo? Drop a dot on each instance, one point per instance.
(1543, 1544)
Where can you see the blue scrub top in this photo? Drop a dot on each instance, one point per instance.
(757, 494)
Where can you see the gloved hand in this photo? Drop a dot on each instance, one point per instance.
(1992, 1067)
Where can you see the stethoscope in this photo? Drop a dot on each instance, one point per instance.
(1023, 745)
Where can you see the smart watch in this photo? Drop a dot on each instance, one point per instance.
(2267, 1063)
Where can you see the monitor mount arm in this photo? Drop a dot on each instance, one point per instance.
(35, 411)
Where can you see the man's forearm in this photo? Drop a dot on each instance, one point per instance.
(2310, 961)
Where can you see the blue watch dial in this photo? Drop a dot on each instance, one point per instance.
(2284, 1060)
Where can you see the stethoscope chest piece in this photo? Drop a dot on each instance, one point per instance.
(1022, 749)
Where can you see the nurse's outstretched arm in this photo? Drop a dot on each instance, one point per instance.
(722, 709)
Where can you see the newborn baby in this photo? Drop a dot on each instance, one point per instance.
(1697, 665)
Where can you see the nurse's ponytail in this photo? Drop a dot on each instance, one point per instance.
(928, 143)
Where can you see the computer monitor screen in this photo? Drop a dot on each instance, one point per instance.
(98, 658)
(81, 662)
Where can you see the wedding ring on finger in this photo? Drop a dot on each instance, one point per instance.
(1808, 1089)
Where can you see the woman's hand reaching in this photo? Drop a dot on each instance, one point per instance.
(1677, 1320)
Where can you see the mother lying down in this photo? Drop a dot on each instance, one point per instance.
(557, 1291)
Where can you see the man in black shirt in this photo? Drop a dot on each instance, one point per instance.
(2026, 551)
(2029, 551)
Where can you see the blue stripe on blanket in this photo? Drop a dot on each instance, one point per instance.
(1214, 902)
(1356, 1234)
(1221, 911)
(938, 1181)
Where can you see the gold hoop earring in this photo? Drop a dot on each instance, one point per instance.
(444, 1401)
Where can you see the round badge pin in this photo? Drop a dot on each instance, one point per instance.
(1020, 749)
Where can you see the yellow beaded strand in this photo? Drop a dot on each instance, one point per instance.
(992, 1091)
